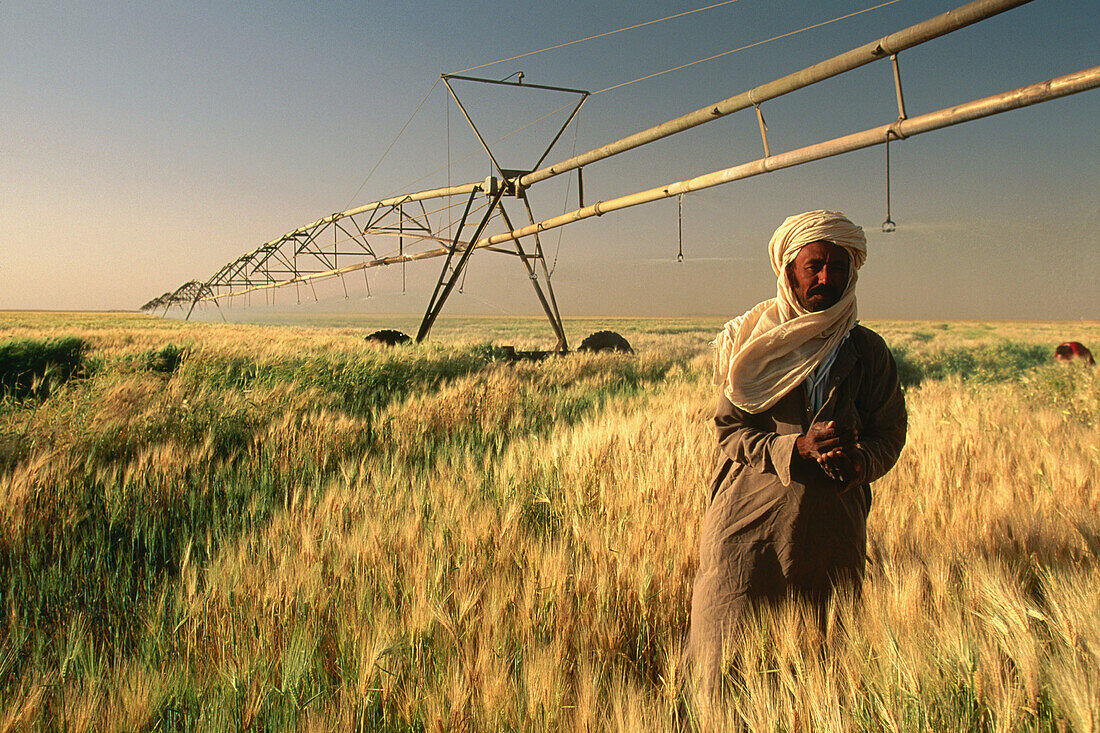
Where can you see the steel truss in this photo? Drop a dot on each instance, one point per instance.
(190, 293)
(319, 247)
(307, 253)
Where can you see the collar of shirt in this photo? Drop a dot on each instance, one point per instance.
(816, 383)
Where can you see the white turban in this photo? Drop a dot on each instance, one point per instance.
(769, 350)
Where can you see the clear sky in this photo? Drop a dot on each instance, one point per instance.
(146, 144)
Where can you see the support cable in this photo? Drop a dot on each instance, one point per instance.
(565, 206)
(450, 219)
(751, 45)
(598, 35)
(395, 139)
(497, 140)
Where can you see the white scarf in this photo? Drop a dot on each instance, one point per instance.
(766, 352)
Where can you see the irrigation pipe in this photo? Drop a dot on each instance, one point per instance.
(907, 38)
(1025, 96)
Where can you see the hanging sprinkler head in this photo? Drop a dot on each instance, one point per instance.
(680, 227)
(888, 225)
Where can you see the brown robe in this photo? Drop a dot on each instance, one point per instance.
(777, 525)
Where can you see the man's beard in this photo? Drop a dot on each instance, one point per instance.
(830, 297)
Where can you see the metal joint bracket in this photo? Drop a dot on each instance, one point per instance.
(512, 183)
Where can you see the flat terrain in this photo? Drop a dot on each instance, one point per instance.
(216, 526)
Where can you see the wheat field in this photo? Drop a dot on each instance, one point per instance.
(234, 527)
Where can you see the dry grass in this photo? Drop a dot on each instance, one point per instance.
(294, 530)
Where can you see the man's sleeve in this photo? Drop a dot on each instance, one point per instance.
(883, 433)
(745, 443)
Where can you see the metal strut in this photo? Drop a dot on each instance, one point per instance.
(504, 172)
(446, 282)
(549, 302)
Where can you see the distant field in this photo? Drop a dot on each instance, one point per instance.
(216, 526)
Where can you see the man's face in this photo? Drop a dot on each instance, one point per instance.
(818, 275)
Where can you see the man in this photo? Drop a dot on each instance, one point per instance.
(810, 412)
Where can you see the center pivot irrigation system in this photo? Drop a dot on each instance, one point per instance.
(343, 243)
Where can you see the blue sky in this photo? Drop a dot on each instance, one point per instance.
(146, 144)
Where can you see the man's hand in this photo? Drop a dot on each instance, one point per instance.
(845, 466)
(835, 448)
(823, 438)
